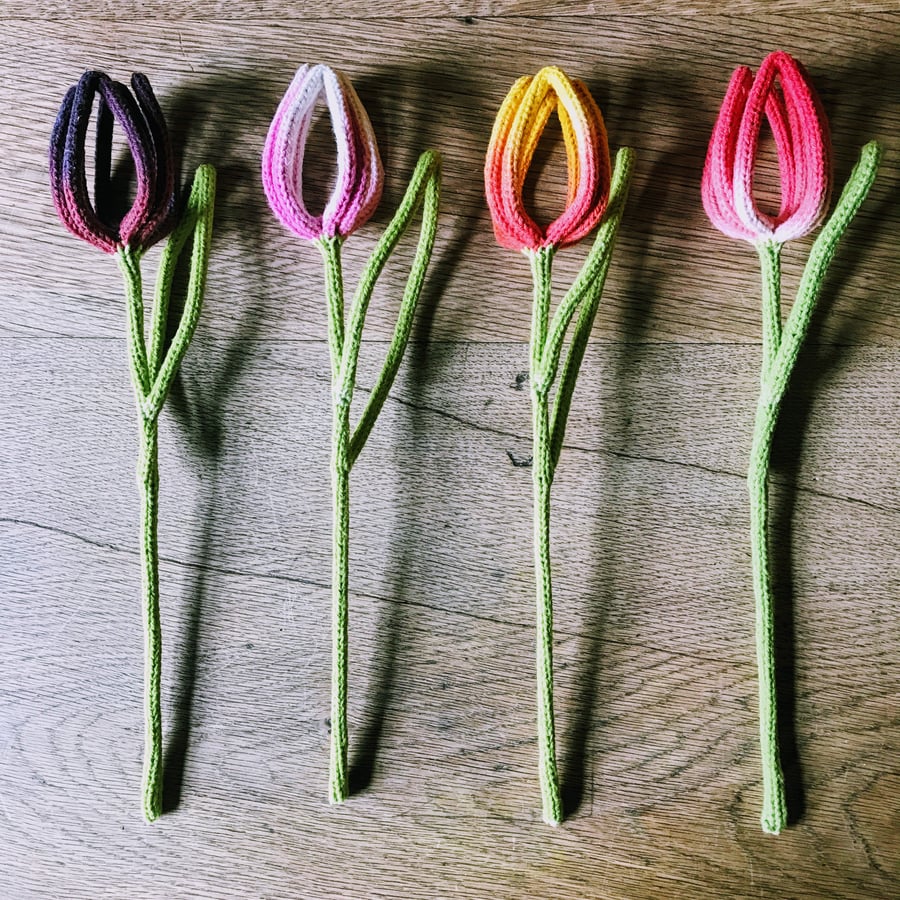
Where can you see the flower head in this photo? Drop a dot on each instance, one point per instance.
(359, 172)
(517, 130)
(151, 216)
(802, 141)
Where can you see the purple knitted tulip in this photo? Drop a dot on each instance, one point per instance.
(151, 216)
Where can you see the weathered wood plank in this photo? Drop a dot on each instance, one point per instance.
(656, 673)
(354, 10)
(655, 670)
(438, 83)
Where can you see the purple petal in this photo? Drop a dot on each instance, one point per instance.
(127, 113)
(83, 220)
(161, 218)
(57, 154)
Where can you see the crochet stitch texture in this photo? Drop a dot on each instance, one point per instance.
(152, 366)
(152, 215)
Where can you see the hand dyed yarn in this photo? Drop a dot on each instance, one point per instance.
(355, 197)
(360, 175)
(783, 93)
(595, 197)
(152, 216)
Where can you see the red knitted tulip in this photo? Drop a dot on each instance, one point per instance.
(783, 93)
(803, 143)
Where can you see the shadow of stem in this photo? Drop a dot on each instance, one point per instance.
(199, 405)
(416, 379)
(646, 280)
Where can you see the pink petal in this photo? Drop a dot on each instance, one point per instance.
(717, 187)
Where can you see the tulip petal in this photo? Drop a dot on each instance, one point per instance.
(783, 91)
(517, 131)
(81, 217)
(526, 126)
(283, 154)
(717, 187)
(161, 218)
(589, 166)
(61, 197)
(581, 134)
(776, 113)
(812, 150)
(141, 120)
(746, 151)
(505, 230)
(126, 113)
(360, 176)
(807, 187)
(370, 180)
(347, 149)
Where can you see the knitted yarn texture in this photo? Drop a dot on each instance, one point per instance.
(360, 175)
(354, 199)
(783, 92)
(153, 366)
(152, 215)
(595, 197)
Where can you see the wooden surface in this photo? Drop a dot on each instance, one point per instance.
(655, 666)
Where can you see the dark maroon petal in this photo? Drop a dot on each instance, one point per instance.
(83, 220)
(57, 153)
(161, 218)
(104, 201)
(126, 112)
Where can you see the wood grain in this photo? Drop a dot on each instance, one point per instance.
(656, 675)
(659, 83)
(468, 11)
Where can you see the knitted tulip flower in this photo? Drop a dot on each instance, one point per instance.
(153, 215)
(782, 92)
(596, 197)
(355, 196)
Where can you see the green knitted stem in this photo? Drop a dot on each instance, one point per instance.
(196, 224)
(340, 474)
(424, 189)
(774, 803)
(542, 473)
(770, 266)
(148, 478)
(780, 351)
(774, 814)
(338, 788)
(344, 346)
(334, 295)
(820, 258)
(130, 264)
(547, 339)
(584, 295)
(151, 377)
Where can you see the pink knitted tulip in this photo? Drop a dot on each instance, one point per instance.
(359, 171)
(803, 143)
